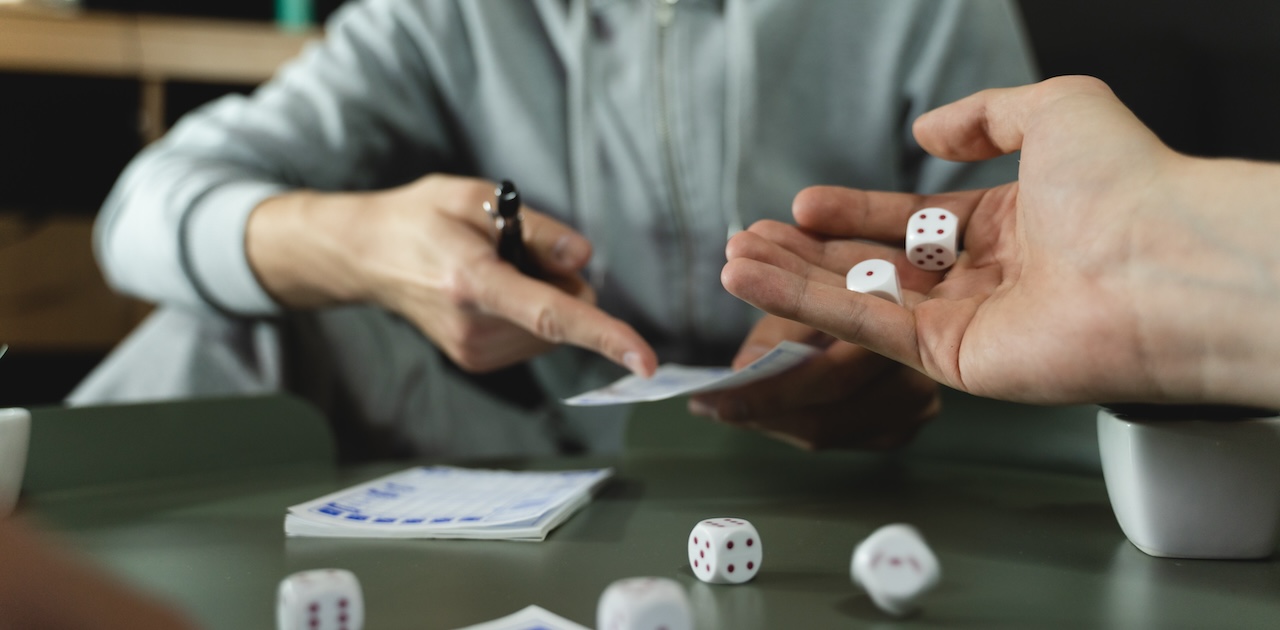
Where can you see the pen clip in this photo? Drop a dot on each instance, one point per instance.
(499, 221)
(508, 200)
(506, 216)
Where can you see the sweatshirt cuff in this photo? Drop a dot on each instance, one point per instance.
(214, 250)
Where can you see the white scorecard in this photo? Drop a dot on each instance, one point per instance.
(448, 502)
(673, 380)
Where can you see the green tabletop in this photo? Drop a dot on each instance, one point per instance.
(1019, 547)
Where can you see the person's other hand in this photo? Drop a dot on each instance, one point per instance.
(43, 587)
(1042, 304)
(843, 397)
(427, 251)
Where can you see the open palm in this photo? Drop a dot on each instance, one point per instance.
(1039, 306)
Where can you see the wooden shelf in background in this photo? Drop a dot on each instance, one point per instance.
(151, 49)
(52, 296)
(145, 47)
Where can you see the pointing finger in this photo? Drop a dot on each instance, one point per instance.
(558, 317)
(876, 324)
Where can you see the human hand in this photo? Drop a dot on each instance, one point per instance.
(42, 586)
(1050, 300)
(843, 397)
(427, 251)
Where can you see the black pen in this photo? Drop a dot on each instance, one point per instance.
(510, 230)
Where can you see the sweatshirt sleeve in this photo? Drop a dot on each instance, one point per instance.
(968, 46)
(358, 111)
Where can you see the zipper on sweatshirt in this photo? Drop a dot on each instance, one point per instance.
(666, 14)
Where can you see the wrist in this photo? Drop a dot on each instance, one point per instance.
(1207, 288)
(304, 248)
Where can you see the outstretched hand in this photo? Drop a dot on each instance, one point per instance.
(426, 251)
(843, 397)
(1042, 304)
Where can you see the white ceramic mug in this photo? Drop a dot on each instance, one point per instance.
(15, 432)
(1194, 488)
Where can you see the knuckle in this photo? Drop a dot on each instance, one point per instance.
(467, 344)
(1056, 88)
(459, 289)
(547, 324)
(467, 331)
(461, 354)
(463, 358)
(1078, 82)
(470, 363)
(474, 358)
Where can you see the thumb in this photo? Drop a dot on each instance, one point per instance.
(993, 122)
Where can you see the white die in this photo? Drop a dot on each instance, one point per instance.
(322, 599)
(895, 567)
(725, 551)
(931, 239)
(875, 277)
(644, 603)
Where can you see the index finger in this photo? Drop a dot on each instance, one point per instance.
(875, 215)
(878, 325)
(558, 317)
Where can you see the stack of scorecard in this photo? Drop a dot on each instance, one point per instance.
(446, 502)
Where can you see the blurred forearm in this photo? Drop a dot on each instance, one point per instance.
(1206, 266)
(42, 588)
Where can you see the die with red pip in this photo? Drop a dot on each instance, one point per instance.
(321, 599)
(725, 551)
(932, 239)
(644, 603)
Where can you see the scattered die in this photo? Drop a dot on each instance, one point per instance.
(895, 567)
(323, 599)
(725, 551)
(875, 277)
(931, 239)
(644, 603)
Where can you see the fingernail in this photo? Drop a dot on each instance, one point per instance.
(699, 407)
(569, 251)
(634, 363)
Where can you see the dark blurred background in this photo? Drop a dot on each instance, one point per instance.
(1205, 76)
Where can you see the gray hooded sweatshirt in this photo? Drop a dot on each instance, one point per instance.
(655, 127)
